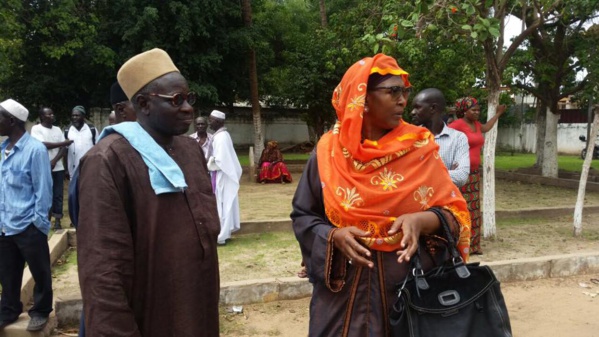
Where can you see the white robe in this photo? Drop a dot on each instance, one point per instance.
(82, 142)
(224, 164)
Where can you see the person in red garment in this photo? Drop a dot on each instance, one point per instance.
(272, 167)
(468, 113)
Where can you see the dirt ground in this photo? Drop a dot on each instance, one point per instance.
(554, 307)
(551, 307)
(273, 201)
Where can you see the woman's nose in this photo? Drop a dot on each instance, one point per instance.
(402, 100)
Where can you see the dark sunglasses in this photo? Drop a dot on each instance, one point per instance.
(178, 98)
(396, 90)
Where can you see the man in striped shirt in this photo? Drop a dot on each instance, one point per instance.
(427, 109)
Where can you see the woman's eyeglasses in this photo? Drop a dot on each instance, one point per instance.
(396, 90)
(178, 98)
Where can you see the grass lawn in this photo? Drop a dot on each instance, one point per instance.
(503, 161)
(66, 261)
(252, 256)
(521, 160)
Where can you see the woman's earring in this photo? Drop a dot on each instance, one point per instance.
(366, 109)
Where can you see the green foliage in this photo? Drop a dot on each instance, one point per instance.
(556, 52)
(452, 66)
(465, 17)
(10, 43)
(586, 52)
(301, 62)
(64, 53)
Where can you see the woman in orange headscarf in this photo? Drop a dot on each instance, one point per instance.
(360, 209)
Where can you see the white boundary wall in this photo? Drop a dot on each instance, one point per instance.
(524, 138)
(295, 131)
(283, 130)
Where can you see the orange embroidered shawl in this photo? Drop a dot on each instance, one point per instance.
(368, 184)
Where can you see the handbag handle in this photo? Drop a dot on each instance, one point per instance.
(450, 240)
(457, 261)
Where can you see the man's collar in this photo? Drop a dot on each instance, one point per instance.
(22, 140)
(82, 126)
(444, 131)
(19, 143)
(220, 130)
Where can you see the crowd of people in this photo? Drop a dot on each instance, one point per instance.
(151, 205)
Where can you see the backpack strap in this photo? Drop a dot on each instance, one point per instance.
(94, 131)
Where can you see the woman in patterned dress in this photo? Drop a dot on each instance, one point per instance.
(360, 208)
(468, 112)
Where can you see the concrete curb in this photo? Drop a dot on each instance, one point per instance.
(545, 267)
(266, 290)
(543, 212)
(58, 244)
(68, 310)
(536, 179)
(19, 328)
(288, 288)
(262, 226)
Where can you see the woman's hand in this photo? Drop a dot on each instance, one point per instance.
(501, 109)
(412, 225)
(484, 128)
(344, 239)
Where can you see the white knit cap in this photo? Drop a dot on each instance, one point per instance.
(217, 114)
(16, 109)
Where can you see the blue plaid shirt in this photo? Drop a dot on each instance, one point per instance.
(454, 151)
(25, 186)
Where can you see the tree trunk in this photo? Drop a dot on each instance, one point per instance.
(323, 14)
(493, 77)
(489, 228)
(541, 129)
(586, 165)
(246, 10)
(549, 166)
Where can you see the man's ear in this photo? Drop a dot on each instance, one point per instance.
(120, 110)
(143, 103)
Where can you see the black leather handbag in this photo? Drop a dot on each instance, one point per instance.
(455, 299)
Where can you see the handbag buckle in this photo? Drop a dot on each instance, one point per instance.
(449, 298)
